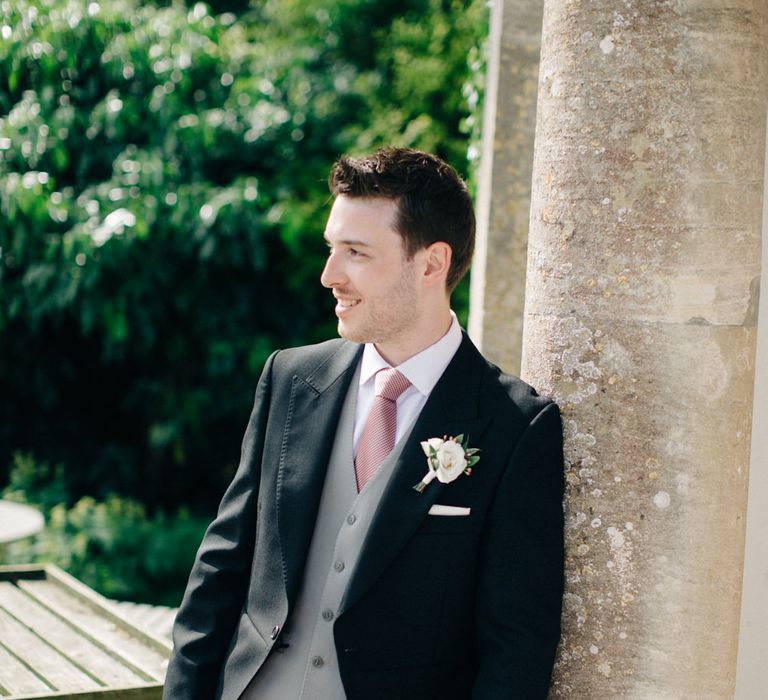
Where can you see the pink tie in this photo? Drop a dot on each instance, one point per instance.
(378, 436)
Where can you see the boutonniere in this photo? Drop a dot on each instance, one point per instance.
(447, 458)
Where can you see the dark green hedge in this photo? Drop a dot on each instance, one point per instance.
(162, 198)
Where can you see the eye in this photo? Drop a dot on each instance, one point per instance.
(347, 250)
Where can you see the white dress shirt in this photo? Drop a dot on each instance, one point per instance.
(422, 370)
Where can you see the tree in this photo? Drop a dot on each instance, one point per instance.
(162, 203)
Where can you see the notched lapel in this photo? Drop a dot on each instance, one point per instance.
(310, 427)
(451, 409)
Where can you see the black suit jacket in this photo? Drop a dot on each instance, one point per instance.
(438, 607)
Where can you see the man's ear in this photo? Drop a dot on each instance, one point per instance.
(437, 263)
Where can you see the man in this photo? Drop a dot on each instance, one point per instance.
(348, 559)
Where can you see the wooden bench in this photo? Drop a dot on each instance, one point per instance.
(60, 639)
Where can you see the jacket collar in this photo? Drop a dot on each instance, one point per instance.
(314, 407)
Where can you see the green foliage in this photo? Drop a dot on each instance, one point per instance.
(112, 546)
(41, 485)
(162, 199)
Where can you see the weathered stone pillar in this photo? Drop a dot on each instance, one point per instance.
(643, 269)
(504, 193)
(751, 669)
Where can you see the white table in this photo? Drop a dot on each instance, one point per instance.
(18, 521)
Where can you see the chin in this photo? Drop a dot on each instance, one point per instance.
(353, 335)
(345, 332)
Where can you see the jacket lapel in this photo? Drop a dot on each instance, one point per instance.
(314, 407)
(452, 408)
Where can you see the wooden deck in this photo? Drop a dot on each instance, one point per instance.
(60, 639)
(155, 619)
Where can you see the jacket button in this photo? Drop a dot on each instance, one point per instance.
(317, 661)
(275, 632)
(351, 518)
(339, 565)
(328, 614)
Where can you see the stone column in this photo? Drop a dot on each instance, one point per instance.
(642, 292)
(751, 669)
(504, 193)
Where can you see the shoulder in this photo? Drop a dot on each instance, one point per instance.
(309, 360)
(316, 352)
(517, 392)
(520, 418)
(508, 396)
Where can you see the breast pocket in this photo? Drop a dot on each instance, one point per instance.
(450, 519)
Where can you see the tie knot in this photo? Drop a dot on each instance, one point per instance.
(390, 384)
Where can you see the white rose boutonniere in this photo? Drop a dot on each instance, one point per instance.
(447, 458)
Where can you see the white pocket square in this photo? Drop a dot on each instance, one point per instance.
(438, 509)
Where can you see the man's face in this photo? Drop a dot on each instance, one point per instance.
(373, 281)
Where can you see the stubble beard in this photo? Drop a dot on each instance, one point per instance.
(388, 318)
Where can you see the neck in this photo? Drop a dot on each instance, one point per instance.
(433, 327)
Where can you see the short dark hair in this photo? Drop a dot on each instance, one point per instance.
(433, 201)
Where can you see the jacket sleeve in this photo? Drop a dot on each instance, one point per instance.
(218, 582)
(520, 590)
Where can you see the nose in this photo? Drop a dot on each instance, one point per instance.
(332, 274)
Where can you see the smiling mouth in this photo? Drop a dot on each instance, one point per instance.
(347, 303)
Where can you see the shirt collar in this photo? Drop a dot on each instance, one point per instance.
(423, 369)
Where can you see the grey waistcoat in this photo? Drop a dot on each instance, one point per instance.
(308, 668)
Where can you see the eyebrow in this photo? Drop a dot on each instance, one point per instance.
(349, 242)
